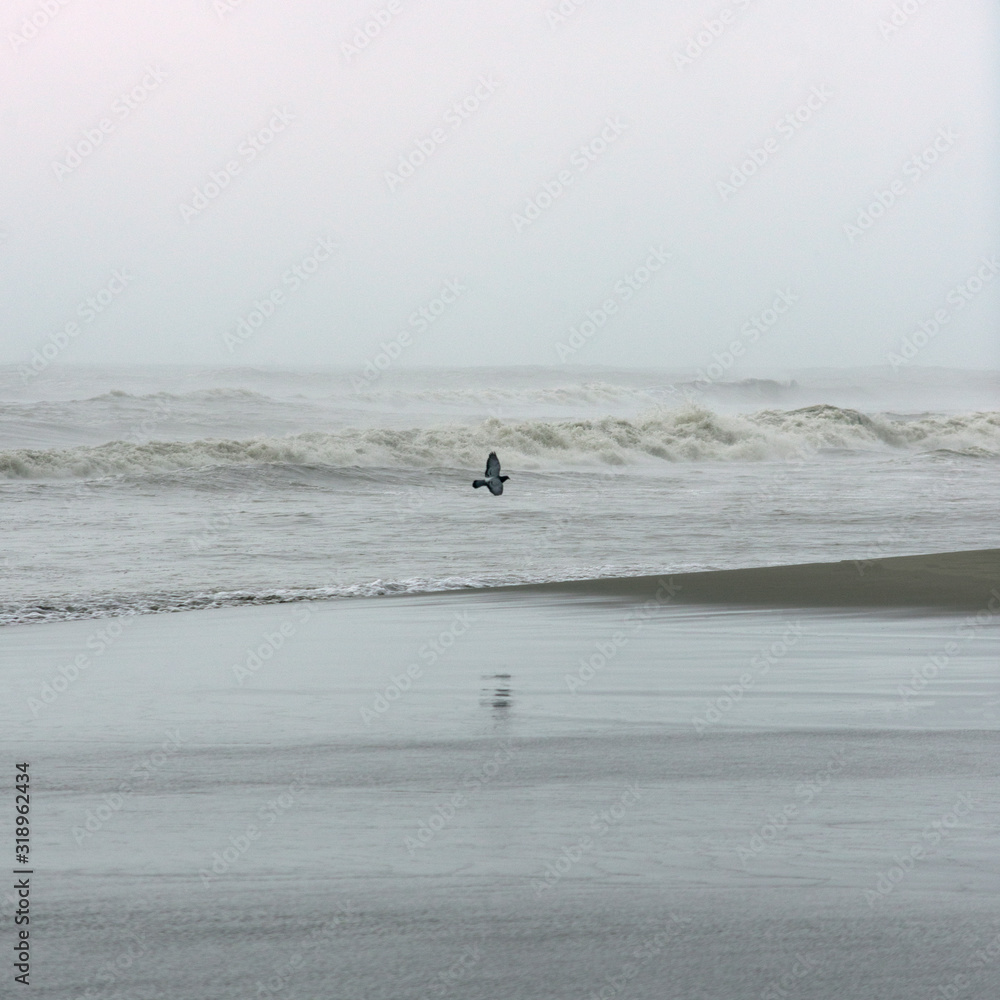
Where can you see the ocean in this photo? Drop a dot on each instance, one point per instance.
(290, 732)
(157, 489)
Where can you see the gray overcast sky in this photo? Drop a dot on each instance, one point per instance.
(536, 161)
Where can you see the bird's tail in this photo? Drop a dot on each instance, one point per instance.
(478, 482)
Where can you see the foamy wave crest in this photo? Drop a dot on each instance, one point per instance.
(200, 394)
(83, 607)
(679, 435)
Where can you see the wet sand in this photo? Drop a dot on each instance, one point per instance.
(562, 791)
(957, 580)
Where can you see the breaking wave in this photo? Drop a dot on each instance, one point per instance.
(689, 434)
(95, 606)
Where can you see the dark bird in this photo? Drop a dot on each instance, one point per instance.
(493, 481)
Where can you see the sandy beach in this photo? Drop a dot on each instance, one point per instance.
(578, 790)
(954, 580)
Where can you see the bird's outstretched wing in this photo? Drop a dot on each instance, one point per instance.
(496, 487)
(492, 465)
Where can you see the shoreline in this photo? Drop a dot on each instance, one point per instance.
(967, 580)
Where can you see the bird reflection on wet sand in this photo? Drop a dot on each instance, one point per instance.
(497, 694)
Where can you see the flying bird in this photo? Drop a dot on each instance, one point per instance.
(493, 481)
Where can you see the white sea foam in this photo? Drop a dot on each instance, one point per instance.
(87, 606)
(688, 434)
